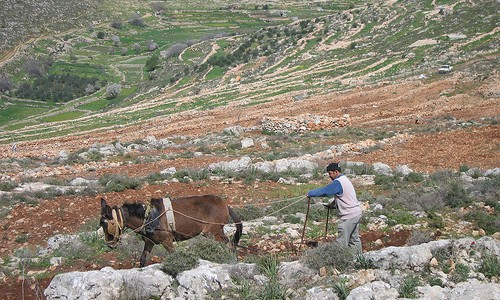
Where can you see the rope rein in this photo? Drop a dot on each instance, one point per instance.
(270, 214)
(267, 203)
(299, 198)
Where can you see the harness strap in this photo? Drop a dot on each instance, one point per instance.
(115, 225)
(169, 213)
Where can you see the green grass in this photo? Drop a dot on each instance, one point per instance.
(64, 116)
(18, 113)
(191, 54)
(215, 72)
(95, 105)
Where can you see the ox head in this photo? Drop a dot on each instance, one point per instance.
(112, 223)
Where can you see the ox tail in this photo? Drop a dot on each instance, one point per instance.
(239, 226)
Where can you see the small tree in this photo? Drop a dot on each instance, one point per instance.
(101, 35)
(116, 40)
(137, 20)
(151, 45)
(152, 62)
(37, 67)
(117, 24)
(137, 48)
(90, 89)
(113, 90)
(5, 84)
(175, 49)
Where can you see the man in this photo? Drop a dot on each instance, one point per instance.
(346, 202)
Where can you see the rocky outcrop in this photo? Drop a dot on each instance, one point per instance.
(383, 281)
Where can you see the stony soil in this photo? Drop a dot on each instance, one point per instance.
(415, 106)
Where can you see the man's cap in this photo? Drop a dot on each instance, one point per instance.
(333, 167)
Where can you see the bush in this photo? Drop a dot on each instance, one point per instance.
(7, 186)
(401, 217)
(460, 274)
(211, 250)
(116, 24)
(456, 195)
(490, 266)
(118, 183)
(153, 62)
(332, 255)
(5, 84)
(137, 20)
(178, 262)
(418, 237)
(436, 281)
(386, 181)
(250, 212)
(414, 177)
(489, 223)
(113, 90)
(435, 220)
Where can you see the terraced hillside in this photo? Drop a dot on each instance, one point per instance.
(219, 57)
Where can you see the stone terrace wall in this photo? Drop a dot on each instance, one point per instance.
(303, 123)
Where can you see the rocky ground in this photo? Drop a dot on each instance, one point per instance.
(451, 121)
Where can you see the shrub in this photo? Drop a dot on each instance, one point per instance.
(7, 186)
(118, 183)
(211, 250)
(116, 24)
(456, 195)
(153, 62)
(5, 84)
(153, 178)
(418, 237)
(489, 223)
(137, 20)
(250, 212)
(408, 288)
(490, 266)
(329, 255)
(292, 219)
(175, 49)
(402, 217)
(435, 220)
(460, 274)
(386, 181)
(436, 281)
(431, 201)
(414, 177)
(113, 90)
(178, 262)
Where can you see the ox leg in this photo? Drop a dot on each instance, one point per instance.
(148, 246)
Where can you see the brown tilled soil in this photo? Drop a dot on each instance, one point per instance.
(416, 106)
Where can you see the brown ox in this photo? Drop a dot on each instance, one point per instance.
(193, 215)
